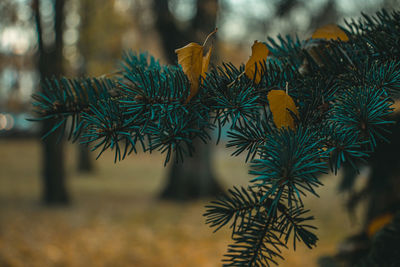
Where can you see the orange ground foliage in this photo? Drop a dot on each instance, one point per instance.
(116, 220)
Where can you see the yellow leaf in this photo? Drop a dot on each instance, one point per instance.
(378, 223)
(280, 103)
(190, 57)
(396, 107)
(194, 65)
(259, 53)
(330, 31)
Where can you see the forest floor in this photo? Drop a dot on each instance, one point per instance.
(116, 219)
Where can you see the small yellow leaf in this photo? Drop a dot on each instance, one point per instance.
(280, 103)
(194, 65)
(190, 57)
(259, 53)
(378, 223)
(330, 31)
(396, 107)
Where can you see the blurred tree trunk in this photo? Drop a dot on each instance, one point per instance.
(383, 185)
(50, 63)
(85, 160)
(195, 177)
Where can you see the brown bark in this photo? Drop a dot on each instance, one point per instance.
(194, 178)
(383, 188)
(50, 64)
(85, 160)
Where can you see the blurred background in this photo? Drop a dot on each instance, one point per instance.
(61, 207)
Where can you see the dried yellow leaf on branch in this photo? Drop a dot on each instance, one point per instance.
(190, 57)
(281, 106)
(396, 107)
(194, 64)
(330, 32)
(259, 53)
(378, 223)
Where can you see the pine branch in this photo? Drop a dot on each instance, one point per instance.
(256, 245)
(289, 164)
(343, 92)
(63, 99)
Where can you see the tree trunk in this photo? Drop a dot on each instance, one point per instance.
(194, 178)
(54, 187)
(85, 160)
(383, 189)
(50, 64)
